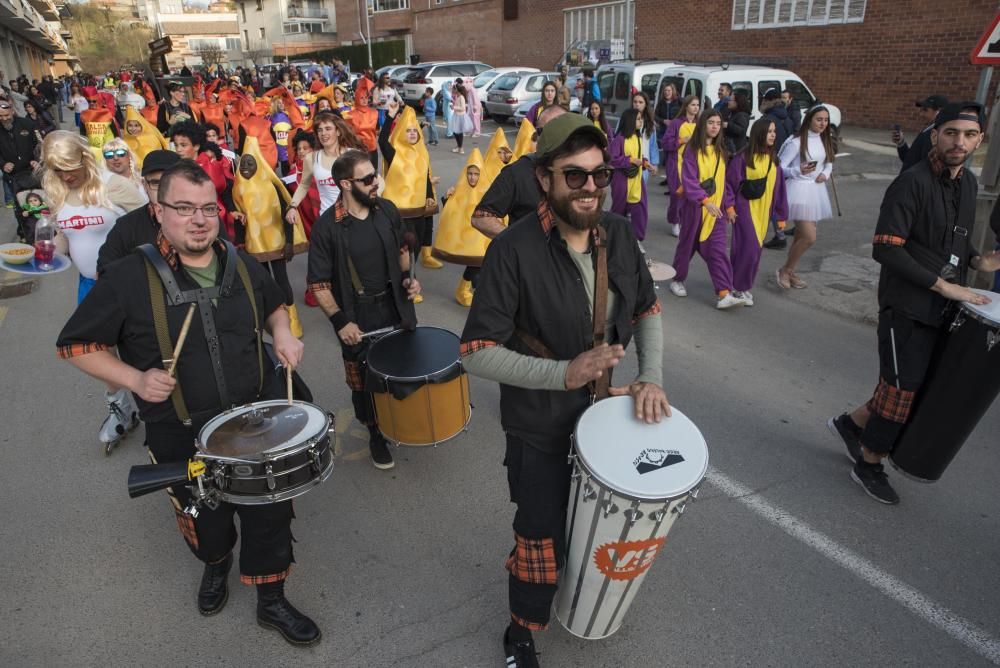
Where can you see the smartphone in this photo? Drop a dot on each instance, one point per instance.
(811, 165)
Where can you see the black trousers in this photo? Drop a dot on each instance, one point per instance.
(422, 228)
(471, 274)
(369, 317)
(279, 272)
(892, 401)
(539, 485)
(265, 530)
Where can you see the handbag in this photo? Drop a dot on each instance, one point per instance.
(755, 188)
(708, 185)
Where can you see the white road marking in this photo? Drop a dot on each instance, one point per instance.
(967, 633)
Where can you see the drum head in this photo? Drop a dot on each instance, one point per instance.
(255, 430)
(988, 313)
(426, 352)
(639, 460)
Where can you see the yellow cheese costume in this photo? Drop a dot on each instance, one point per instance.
(149, 139)
(525, 142)
(457, 241)
(259, 198)
(406, 177)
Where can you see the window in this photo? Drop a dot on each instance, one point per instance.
(693, 87)
(764, 86)
(648, 85)
(535, 84)
(232, 44)
(800, 94)
(506, 82)
(260, 33)
(623, 86)
(606, 83)
(749, 14)
(246, 40)
(604, 21)
(260, 5)
(243, 11)
(678, 83)
(387, 5)
(746, 87)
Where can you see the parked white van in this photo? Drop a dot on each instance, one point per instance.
(704, 81)
(616, 81)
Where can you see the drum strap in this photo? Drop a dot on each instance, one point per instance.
(163, 339)
(599, 388)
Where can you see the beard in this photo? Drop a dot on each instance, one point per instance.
(579, 221)
(954, 159)
(363, 197)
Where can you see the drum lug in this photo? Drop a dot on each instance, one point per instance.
(679, 508)
(957, 322)
(633, 514)
(332, 429)
(694, 493)
(658, 514)
(589, 492)
(192, 510)
(610, 507)
(314, 460)
(270, 477)
(991, 340)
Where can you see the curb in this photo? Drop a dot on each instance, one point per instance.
(16, 285)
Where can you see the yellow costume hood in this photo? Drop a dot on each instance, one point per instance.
(457, 240)
(525, 142)
(406, 179)
(257, 198)
(492, 163)
(149, 139)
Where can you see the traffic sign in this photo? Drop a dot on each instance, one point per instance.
(987, 50)
(162, 46)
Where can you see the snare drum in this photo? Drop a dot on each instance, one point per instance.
(630, 482)
(266, 452)
(421, 390)
(962, 381)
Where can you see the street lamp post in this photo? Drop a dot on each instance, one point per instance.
(368, 40)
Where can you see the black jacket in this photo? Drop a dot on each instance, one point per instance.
(18, 145)
(736, 131)
(915, 238)
(783, 124)
(914, 154)
(132, 230)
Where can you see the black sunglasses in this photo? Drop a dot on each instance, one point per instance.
(367, 180)
(118, 152)
(576, 178)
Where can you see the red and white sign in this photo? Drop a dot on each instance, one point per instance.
(80, 222)
(987, 50)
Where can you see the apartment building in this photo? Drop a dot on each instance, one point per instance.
(196, 28)
(274, 29)
(32, 39)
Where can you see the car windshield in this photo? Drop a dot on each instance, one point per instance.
(484, 78)
(411, 76)
(506, 82)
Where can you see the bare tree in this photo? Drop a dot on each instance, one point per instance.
(258, 53)
(210, 54)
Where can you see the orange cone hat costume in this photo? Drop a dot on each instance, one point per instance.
(363, 118)
(525, 142)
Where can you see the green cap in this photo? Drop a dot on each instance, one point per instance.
(557, 131)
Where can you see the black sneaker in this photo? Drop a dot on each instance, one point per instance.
(776, 243)
(844, 427)
(520, 654)
(875, 482)
(381, 457)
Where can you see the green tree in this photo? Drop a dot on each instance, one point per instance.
(105, 38)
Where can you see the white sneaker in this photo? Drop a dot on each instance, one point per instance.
(678, 289)
(123, 417)
(744, 297)
(727, 302)
(675, 229)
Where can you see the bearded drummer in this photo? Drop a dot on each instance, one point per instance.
(212, 375)
(922, 240)
(359, 274)
(531, 329)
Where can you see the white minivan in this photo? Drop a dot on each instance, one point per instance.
(704, 82)
(616, 81)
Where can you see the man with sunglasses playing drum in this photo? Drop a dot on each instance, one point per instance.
(922, 242)
(217, 368)
(531, 329)
(358, 273)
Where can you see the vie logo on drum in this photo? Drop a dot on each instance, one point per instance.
(654, 459)
(626, 560)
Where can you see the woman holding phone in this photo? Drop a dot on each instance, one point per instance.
(807, 162)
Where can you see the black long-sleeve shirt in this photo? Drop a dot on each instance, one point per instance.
(915, 153)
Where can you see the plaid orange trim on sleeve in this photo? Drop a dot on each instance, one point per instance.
(474, 346)
(319, 287)
(186, 524)
(891, 403)
(77, 349)
(484, 213)
(265, 579)
(531, 626)
(655, 309)
(353, 376)
(533, 560)
(546, 217)
(889, 240)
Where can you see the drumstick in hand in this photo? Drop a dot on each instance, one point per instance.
(288, 381)
(180, 340)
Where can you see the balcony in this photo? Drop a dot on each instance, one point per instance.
(46, 8)
(321, 13)
(305, 26)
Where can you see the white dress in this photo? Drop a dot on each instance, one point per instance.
(807, 200)
(461, 122)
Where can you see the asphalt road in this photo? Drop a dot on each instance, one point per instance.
(782, 561)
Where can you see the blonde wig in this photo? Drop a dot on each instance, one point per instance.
(67, 151)
(133, 162)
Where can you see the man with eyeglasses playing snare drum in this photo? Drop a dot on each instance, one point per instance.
(219, 367)
(531, 329)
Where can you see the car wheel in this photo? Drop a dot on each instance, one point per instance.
(500, 120)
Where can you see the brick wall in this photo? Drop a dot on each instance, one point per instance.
(351, 21)
(466, 31)
(535, 39)
(874, 71)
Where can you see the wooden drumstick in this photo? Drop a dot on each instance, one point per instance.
(288, 380)
(180, 340)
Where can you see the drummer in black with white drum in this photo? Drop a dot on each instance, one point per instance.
(922, 242)
(217, 368)
(531, 329)
(358, 273)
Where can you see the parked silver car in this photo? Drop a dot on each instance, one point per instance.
(512, 90)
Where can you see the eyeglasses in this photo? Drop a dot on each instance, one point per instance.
(186, 210)
(4, 105)
(116, 153)
(152, 183)
(367, 180)
(576, 178)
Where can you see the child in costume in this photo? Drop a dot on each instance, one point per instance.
(34, 207)
(409, 183)
(261, 201)
(364, 119)
(457, 241)
(141, 136)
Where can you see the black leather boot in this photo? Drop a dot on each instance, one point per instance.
(274, 611)
(214, 590)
